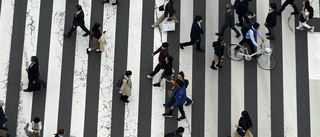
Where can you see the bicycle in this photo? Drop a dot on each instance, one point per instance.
(265, 60)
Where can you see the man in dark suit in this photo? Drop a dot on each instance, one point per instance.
(241, 7)
(196, 30)
(271, 21)
(33, 74)
(228, 21)
(78, 21)
(285, 4)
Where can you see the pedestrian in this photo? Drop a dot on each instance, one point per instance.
(180, 100)
(113, 2)
(97, 39)
(271, 21)
(228, 21)
(167, 72)
(218, 53)
(249, 37)
(306, 14)
(195, 34)
(126, 87)
(176, 133)
(78, 20)
(251, 14)
(163, 54)
(243, 126)
(35, 127)
(3, 118)
(241, 7)
(33, 71)
(168, 13)
(285, 4)
(172, 99)
(60, 133)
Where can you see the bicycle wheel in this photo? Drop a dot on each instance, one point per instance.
(266, 62)
(233, 53)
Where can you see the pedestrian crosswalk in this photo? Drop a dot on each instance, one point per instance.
(81, 95)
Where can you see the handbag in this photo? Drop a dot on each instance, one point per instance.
(3, 132)
(169, 93)
(168, 26)
(161, 8)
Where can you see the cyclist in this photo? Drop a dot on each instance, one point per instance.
(249, 37)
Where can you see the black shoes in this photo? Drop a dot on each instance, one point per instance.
(238, 35)
(268, 34)
(219, 66)
(66, 35)
(214, 68)
(294, 13)
(238, 24)
(181, 118)
(106, 1)
(219, 34)
(167, 115)
(201, 50)
(181, 46)
(156, 85)
(87, 50)
(86, 34)
(44, 85)
(271, 38)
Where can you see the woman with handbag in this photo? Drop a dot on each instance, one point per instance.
(168, 13)
(306, 14)
(243, 126)
(97, 39)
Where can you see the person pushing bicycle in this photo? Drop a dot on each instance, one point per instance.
(248, 36)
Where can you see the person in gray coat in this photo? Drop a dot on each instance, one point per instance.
(228, 21)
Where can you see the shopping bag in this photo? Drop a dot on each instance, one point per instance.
(168, 26)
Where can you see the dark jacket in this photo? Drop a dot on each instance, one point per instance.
(162, 56)
(33, 73)
(272, 19)
(78, 19)
(181, 96)
(173, 134)
(195, 31)
(218, 50)
(229, 17)
(3, 118)
(167, 70)
(241, 6)
(169, 9)
(290, 1)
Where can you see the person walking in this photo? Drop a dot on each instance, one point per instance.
(195, 34)
(167, 72)
(285, 4)
(163, 54)
(306, 14)
(229, 21)
(168, 13)
(241, 7)
(3, 118)
(271, 21)
(60, 133)
(176, 133)
(218, 53)
(172, 99)
(34, 127)
(243, 126)
(180, 100)
(249, 37)
(78, 20)
(97, 39)
(126, 87)
(33, 71)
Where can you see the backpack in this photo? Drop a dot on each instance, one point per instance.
(120, 80)
(214, 44)
(311, 13)
(245, 29)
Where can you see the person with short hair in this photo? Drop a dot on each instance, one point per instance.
(176, 133)
(35, 127)
(3, 118)
(164, 52)
(60, 133)
(195, 34)
(168, 13)
(126, 87)
(218, 53)
(33, 76)
(228, 21)
(242, 7)
(249, 37)
(167, 72)
(78, 20)
(180, 100)
(271, 20)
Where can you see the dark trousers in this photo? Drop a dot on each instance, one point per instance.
(82, 27)
(36, 86)
(173, 99)
(271, 31)
(250, 12)
(240, 16)
(124, 97)
(248, 42)
(156, 70)
(285, 4)
(192, 43)
(224, 27)
(180, 109)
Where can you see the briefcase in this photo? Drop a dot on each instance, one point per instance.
(168, 26)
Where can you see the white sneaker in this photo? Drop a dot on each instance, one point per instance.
(299, 28)
(252, 16)
(152, 26)
(312, 29)
(148, 76)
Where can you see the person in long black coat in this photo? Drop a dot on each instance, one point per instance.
(241, 7)
(228, 21)
(271, 21)
(195, 34)
(34, 83)
(78, 20)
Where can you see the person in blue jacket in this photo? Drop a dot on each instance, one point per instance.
(180, 100)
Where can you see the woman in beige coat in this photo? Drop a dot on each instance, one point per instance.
(126, 86)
